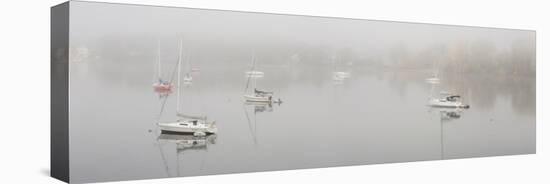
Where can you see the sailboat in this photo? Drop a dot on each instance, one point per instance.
(434, 79)
(257, 95)
(447, 100)
(187, 124)
(253, 72)
(338, 76)
(161, 86)
(188, 78)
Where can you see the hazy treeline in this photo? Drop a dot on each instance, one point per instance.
(118, 33)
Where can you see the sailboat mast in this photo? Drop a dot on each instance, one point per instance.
(178, 80)
(333, 62)
(254, 69)
(158, 60)
(188, 63)
(249, 75)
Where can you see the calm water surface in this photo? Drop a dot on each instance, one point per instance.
(376, 116)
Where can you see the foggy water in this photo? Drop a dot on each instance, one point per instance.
(378, 115)
(373, 117)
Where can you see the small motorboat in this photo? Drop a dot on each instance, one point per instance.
(196, 127)
(448, 101)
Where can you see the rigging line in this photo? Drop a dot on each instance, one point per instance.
(159, 70)
(162, 107)
(255, 126)
(173, 75)
(203, 156)
(163, 159)
(177, 65)
(441, 134)
(249, 124)
(178, 161)
(249, 75)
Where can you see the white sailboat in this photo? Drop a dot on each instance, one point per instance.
(447, 101)
(187, 124)
(434, 79)
(256, 95)
(253, 72)
(188, 78)
(338, 76)
(341, 75)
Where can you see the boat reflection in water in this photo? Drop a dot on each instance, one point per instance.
(446, 115)
(185, 143)
(188, 142)
(262, 106)
(259, 107)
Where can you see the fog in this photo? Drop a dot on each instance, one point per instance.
(111, 30)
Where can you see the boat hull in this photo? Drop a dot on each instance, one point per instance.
(447, 104)
(177, 128)
(162, 87)
(433, 80)
(252, 98)
(341, 75)
(181, 133)
(255, 74)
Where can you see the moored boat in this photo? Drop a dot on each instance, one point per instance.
(189, 126)
(257, 98)
(260, 96)
(161, 86)
(448, 101)
(341, 75)
(433, 80)
(254, 73)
